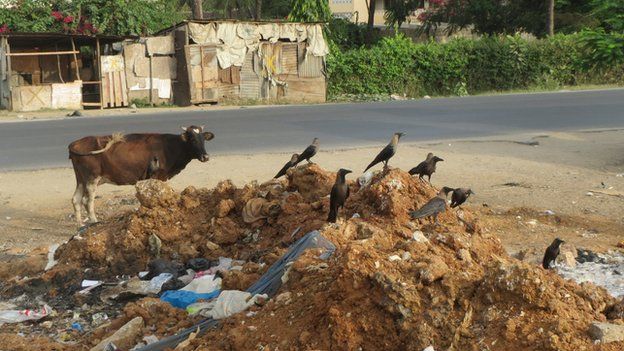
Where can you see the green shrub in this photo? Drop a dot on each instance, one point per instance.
(398, 66)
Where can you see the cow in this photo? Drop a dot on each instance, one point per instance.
(126, 159)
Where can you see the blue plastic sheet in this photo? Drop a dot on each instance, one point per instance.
(183, 298)
(269, 284)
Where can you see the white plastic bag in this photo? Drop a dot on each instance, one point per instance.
(18, 316)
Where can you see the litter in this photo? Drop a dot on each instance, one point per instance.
(157, 282)
(183, 298)
(268, 284)
(89, 288)
(198, 264)
(18, 316)
(76, 326)
(98, 319)
(204, 284)
(228, 303)
(51, 261)
(87, 283)
(159, 265)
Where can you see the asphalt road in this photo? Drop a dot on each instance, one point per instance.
(43, 144)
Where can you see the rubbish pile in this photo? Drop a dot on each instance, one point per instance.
(258, 267)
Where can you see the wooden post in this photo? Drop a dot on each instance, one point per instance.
(151, 80)
(75, 59)
(99, 70)
(8, 51)
(58, 64)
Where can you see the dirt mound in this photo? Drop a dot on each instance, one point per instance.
(392, 284)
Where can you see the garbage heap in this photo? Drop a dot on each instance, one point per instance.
(391, 284)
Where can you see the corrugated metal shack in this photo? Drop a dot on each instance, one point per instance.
(224, 59)
(150, 66)
(54, 71)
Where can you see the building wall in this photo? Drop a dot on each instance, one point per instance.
(357, 11)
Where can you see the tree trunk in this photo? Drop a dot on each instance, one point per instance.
(258, 10)
(198, 12)
(371, 14)
(550, 22)
(371, 21)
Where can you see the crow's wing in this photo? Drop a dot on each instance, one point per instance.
(435, 205)
(307, 153)
(420, 169)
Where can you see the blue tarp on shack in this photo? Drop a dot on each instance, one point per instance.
(269, 284)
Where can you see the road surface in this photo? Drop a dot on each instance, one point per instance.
(43, 143)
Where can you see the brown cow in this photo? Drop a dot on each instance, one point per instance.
(126, 159)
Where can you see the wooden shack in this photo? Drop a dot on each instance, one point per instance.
(60, 71)
(219, 60)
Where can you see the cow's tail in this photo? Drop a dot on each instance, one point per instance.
(115, 138)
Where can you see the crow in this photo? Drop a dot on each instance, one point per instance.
(339, 194)
(426, 167)
(551, 253)
(309, 152)
(435, 206)
(387, 152)
(459, 196)
(291, 163)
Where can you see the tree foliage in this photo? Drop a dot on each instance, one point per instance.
(487, 16)
(115, 17)
(396, 65)
(310, 11)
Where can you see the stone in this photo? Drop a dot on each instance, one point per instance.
(435, 270)
(464, 255)
(419, 237)
(224, 207)
(568, 259)
(154, 244)
(366, 231)
(154, 193)
(125, 337)
(283, 298)
(606, 332)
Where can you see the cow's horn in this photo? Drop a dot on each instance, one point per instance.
(183, 128)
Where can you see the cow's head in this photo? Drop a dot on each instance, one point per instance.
(195, 136)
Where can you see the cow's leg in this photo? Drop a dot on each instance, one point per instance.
(91, 187)
(77, 202)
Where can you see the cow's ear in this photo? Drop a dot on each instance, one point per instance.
(184, 137)
(208, 135)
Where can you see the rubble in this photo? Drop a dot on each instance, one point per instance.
(124, 338)
(606, 332)
(451, 286)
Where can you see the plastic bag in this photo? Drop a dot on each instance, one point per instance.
(18, 316)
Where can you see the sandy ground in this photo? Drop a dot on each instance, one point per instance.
(577, 175)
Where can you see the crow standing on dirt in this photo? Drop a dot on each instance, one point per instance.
(426, 167)
(309, 152)
(551, 253)
(387, 152)
(459, 196)
(435, 206)
(291, 163)
(339, 194)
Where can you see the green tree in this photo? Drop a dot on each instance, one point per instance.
(610, 13)
(310, 11)
(487, 16)
(397, 11)
(115, 17)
